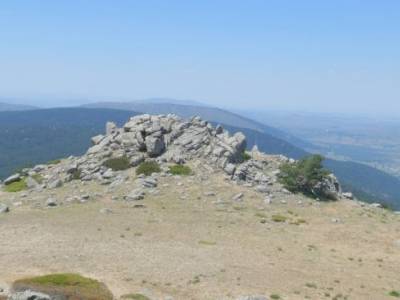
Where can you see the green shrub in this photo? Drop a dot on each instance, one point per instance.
(180, 170)
(394, 294)
(147, 168)
(76, 174)
(245, 156)
(118, 163)
(278, 218)
(303, 175)
(68, 286)
(16, 186)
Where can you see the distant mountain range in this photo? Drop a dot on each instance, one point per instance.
(36, 136)
(15, 107)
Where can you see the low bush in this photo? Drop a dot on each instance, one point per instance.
(303, 175)
(118, 163)
(245, 156)
(16, 186)
(76, 174)
(180, 170)
(278, 218)
(147, 168)
(65, 286)
(394, 294)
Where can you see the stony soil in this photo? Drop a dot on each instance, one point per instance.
(182, 241)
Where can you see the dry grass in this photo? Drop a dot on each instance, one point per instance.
(196, 248)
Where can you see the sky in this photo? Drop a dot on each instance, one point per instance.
(318, 56)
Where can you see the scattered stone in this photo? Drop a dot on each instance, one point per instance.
(209, 194)
(106, 211)
(31, 183)
(136, 194)
(150, 182)
(376, 205)
(262, 188)
(267, 200)
(348, 196)
(4, 208)
(238, 197)
(55, 183)
(51, 202)
(108, 174)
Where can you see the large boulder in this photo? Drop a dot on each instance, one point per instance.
(13, 178)
(154, 146)
(328, 188)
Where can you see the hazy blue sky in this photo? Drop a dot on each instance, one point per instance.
(310, 55)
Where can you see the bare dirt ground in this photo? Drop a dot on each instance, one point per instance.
(188, 245)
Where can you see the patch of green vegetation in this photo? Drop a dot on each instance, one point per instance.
(135, 297)
(16, 186)
(394, 294)
(180, 170)
(207, 243)
(147, 168)
(245, 156)
(303, 175)
(68, 285)
(53, 162)
(311, 285)
(275, 297)
(38, 178)
(117, 163)
(278, 218)
(76, 174)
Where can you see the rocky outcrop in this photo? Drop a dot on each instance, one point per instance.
(168, 139)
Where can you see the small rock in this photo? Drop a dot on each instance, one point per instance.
(108, 174)
(348, 196)
(105, 211)
(55, 183)
(238, 197)
(51, 202)
(136, 194)
(267, 200)
(262, 188)
(4, 208)
(209, 194)
(150, 182)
